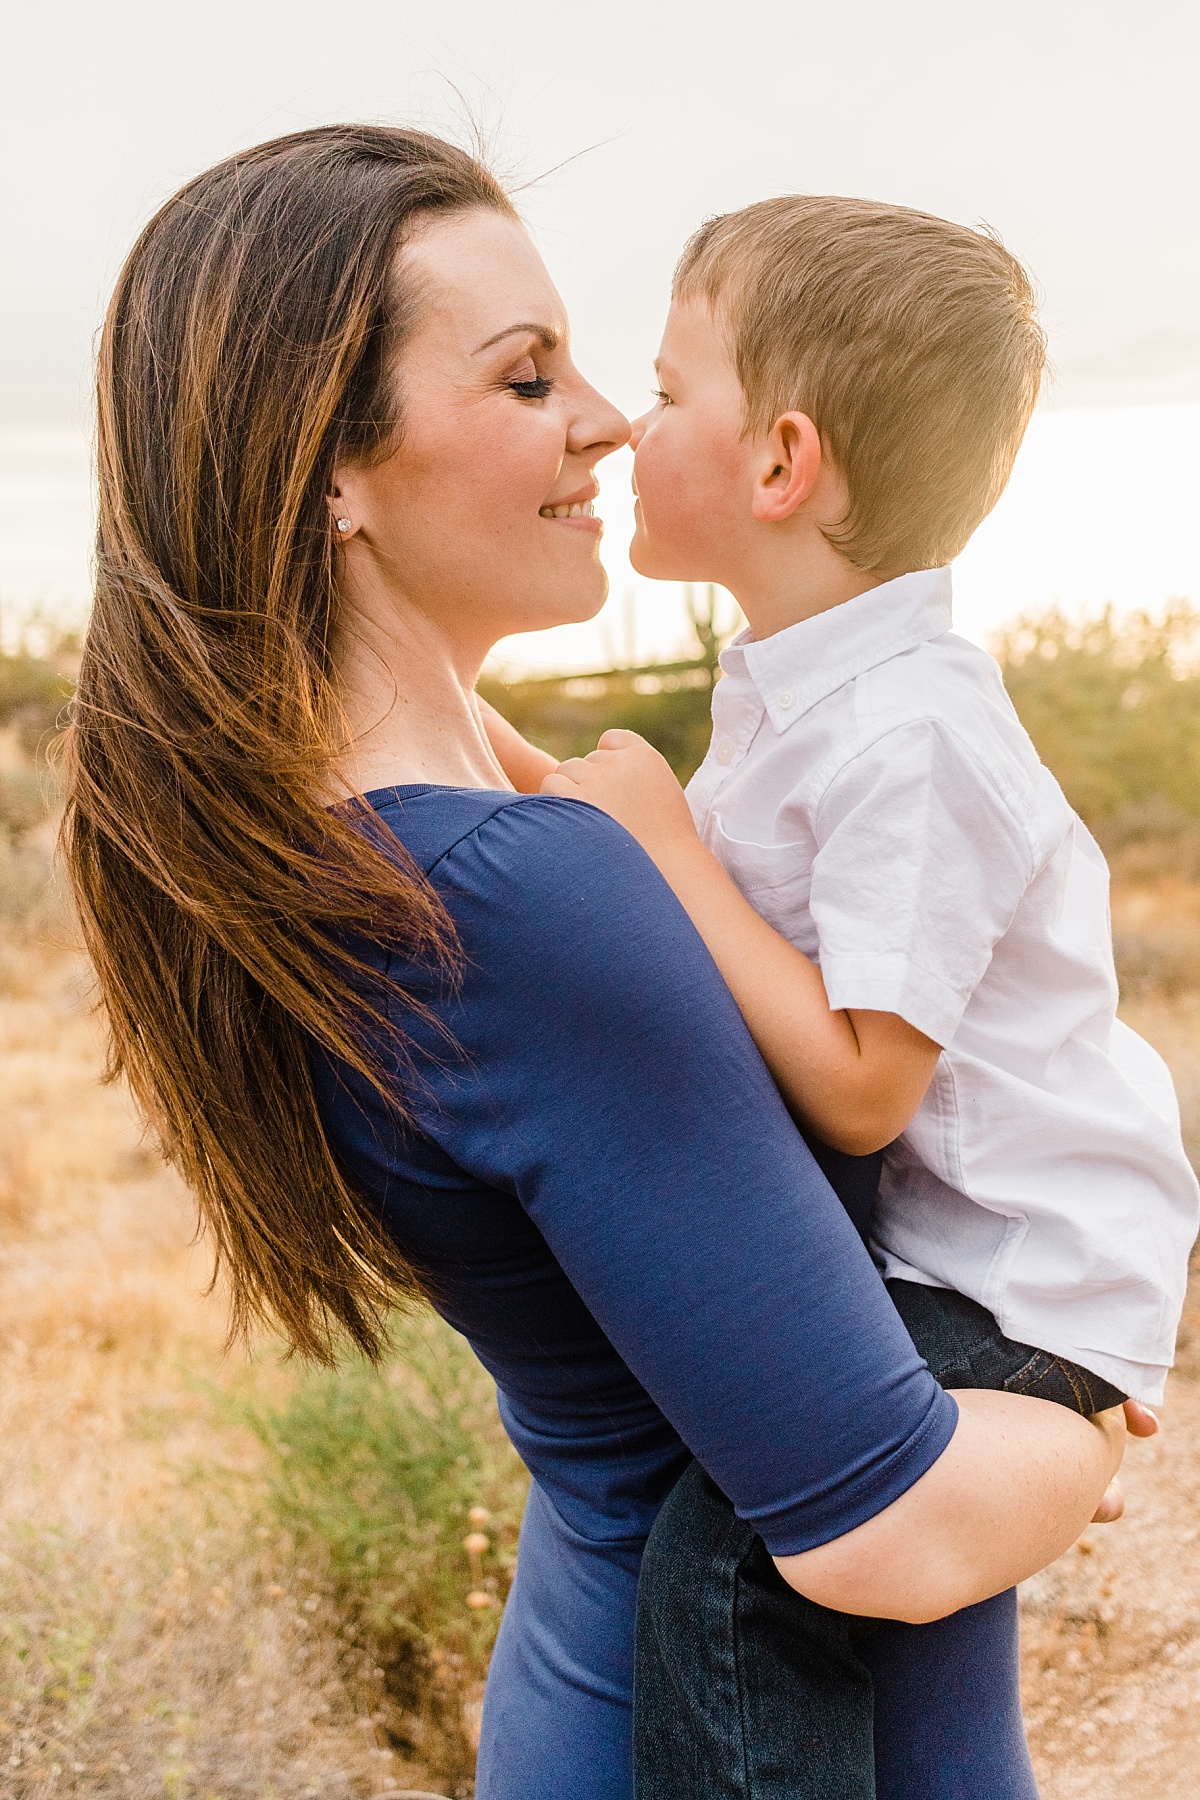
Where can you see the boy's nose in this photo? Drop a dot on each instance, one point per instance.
(637, 430)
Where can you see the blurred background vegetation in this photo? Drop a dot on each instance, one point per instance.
(1112, 704)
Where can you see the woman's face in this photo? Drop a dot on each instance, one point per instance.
(482, 517)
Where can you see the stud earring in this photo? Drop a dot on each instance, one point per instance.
(343, 524)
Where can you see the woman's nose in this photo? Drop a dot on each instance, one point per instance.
(598, 427)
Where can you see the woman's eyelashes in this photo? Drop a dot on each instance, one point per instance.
(536, 388)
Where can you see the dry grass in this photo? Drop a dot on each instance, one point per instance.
(1156, 932)
(159, 1632)
(175, 1620)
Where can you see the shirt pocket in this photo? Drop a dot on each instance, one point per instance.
(775, 878)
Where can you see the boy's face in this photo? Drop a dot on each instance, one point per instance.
(694, 464)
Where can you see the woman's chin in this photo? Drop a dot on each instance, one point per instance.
(574, 609)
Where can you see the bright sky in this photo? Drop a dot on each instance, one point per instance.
(1066, 124)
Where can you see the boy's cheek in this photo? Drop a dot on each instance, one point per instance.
(660, 535)
(644, 552)
(666, 495)
(674, 544)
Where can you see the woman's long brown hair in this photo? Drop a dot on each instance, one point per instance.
(250, 345)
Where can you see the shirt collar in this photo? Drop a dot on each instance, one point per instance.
(806, 662)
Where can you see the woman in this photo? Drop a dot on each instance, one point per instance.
(407, 1031)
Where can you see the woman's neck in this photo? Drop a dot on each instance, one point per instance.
(408, 702)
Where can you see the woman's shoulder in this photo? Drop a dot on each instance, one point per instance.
(521, 835)
(547, 885)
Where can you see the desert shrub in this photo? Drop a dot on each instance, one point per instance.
(25, 798)
(668, 704)
(54, 1620)
(33, 697)
(29, 894)
(139, 1661)
(1113, 706)
(381, 1476)
(1162, 960)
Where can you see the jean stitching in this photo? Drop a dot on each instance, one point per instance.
(1029, 1374)
(1079, 1386)
(1041, 1365)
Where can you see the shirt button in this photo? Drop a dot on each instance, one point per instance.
(724, 752)
(786, 698)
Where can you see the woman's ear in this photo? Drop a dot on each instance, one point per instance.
(789, 469)
(347, 501)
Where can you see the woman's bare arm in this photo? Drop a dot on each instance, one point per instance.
(854, 1077)
(1016, 1485)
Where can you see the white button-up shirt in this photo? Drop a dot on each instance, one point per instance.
(871, 791)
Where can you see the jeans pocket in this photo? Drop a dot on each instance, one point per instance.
(1046, 1377)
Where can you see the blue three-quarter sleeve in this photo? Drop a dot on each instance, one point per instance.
(604, 1081)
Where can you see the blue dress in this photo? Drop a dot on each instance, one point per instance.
(608, 1199)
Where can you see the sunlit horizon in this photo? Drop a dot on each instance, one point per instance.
(1099, 511)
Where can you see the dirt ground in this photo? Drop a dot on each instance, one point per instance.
(156, 1639)
(1111, 1632)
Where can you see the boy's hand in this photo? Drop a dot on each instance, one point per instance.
(1139, 1422)
(627, 778)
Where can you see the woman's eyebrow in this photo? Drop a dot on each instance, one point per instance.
(550, 338)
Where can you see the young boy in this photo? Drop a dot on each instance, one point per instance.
(911, 918)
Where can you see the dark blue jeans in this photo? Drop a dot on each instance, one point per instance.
(747, 1691)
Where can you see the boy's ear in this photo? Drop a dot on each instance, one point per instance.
(789, 470)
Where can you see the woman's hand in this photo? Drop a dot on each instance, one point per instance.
(627, 778)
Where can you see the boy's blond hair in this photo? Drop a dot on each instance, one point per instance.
(911, 342)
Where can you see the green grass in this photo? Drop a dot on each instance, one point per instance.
(379, 1476)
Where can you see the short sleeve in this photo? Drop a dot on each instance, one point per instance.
(919, 868)
(608, 1081)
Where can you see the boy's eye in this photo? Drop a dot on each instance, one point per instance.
(663, 399)
(536, 388)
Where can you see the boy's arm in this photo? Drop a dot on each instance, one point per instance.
(853, 1077)
(525, 765)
